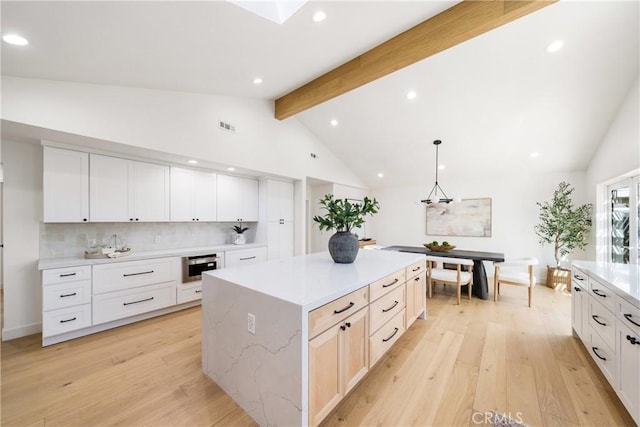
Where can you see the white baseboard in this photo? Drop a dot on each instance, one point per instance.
(22, 331)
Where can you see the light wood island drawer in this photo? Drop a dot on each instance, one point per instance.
(386, 336)
(382, 286)
(66, 294)
(385, 308)
(415, 269)
(331, 313)
(603, 322)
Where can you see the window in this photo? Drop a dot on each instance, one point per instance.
(624, 221)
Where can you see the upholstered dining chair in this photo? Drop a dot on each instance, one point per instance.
(514, 272)
(458, 277)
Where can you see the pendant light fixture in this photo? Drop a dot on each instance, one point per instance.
(432, 198)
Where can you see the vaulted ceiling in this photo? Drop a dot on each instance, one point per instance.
(493, 100)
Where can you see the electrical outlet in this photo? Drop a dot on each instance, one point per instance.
(251, 323)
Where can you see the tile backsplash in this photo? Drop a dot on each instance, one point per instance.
(70, 240)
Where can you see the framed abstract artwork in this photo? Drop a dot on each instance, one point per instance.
(470, 217)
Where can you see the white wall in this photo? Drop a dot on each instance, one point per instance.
(22, 213)
(402, 218)
(617, 155)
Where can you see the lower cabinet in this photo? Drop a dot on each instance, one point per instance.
(189, 292)
(240, 257)
(338, 359)
(579, 305)
(416, 297)
(120, 304)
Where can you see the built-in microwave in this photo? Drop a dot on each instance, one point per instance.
(193, 266)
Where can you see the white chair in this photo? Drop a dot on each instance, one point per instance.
(458, 277)
(514, 272)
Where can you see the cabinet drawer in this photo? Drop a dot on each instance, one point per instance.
(629, 315)
(117, 305)
(416, 268)
(602, 294)
(580, 278)
(602, 321)
(244, 257)
(126, 275)
(331, 313)
(68, 319)
(385, 308)
(382, 286)
(603, 355)
(66, 294)
(65, 275)
(186, 294)
(386, 336)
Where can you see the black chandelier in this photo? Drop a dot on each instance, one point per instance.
(436, 186)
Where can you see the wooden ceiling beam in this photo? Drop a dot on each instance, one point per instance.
(455, 25)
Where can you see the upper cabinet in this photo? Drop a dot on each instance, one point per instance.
(279, 200)
(65, 185)
(128, 190)
(193, 195)
(237, 199)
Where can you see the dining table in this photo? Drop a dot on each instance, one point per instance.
(480, 286)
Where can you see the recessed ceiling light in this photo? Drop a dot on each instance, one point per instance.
(334, 122)
(411, 94)
(257, 81)
(441, 167)
(193, 162)
(319, 16)
(231, 168)
(380, 175)
(555, 46)
(15, 39)
(535, 154)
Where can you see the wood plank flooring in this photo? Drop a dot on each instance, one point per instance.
(449, 370)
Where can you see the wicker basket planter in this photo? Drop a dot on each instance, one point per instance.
(559, 278)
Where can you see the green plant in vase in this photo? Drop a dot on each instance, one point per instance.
(239, 238)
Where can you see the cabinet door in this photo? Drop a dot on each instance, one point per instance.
(205, 196)
(355, 349)
(247, 199)
(65, 185)
(279, 240)
(108, 189)
(324, 374)
(279, 201)
(628, 353)
(182, 195)
(577, 295)
(237, 199)
(411, 296)
(150, 191)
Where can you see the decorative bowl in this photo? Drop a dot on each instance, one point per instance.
(438, 248)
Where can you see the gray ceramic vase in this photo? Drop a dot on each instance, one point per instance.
(343, 247)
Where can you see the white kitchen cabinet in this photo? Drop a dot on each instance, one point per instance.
(237, 199)
(66, 300)
(579, 303)
(628, 343)
(65, 185)
(127, 190)
(240, 257)
(279, 200)
(193, 195)
(279, 240)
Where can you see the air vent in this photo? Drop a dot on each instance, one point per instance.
(226, 126)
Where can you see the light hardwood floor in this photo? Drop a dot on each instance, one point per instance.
(448, 370)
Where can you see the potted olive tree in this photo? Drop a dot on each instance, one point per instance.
(342, 216)
(566, 227)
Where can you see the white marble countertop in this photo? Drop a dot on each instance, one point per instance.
(314, 280)
(45, 264)
(624, 279)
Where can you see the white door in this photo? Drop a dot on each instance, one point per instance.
(108, 189)
(150, 191)
(279, 240)
(205, 197)
(182, 195)
(248, 199)
(279, 201)
(65, 185)
(227, 191)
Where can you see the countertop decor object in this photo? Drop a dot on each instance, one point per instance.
(439, 248)
(239, 237)
(343, 215)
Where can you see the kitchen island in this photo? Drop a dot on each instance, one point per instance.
(287, 339)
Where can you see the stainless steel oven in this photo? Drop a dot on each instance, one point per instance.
(193, 266)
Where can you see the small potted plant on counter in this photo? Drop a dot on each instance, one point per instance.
(239, 237)
(343, 215)
(566, 227)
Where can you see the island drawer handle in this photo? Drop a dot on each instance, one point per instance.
(595, 317)
(628, 317)
(577, 289)
(416, 269)
(251, 257)
(138, 302)
(595, 291)
(384, 310)
(198, 291)
(577, 276)
(392, 335)
(351, 304)
(68, 320)
(68, 295)
(390, 284)
(416, 279)
(345, 326)
(595, 351)
(633, 340)
(137, 274)
(68, 275)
